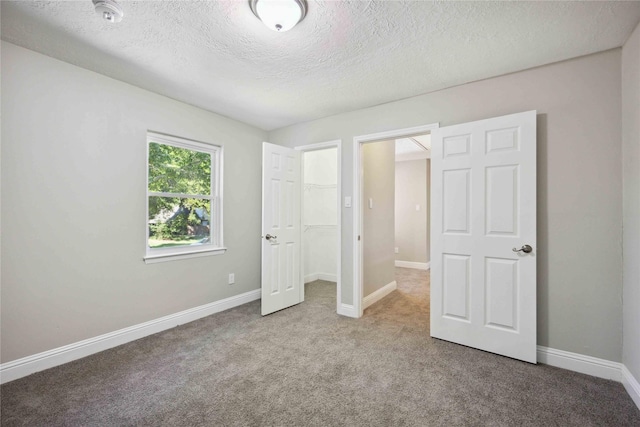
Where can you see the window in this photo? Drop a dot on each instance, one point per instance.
(184, 203)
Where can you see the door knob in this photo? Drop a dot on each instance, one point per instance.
(269, 237)
(526, 249)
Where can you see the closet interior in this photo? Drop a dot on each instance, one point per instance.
(320, 215)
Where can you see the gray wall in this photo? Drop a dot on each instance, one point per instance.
(378, 180)
(73, 206)
(411, 230)
(579, 184)
(631, 185)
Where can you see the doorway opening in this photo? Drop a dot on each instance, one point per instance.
(321, 219)
(483, 268)
(412, 191)
(375, 209)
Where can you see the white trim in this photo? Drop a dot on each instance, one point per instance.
(179, 141)
(376, 296)
(310, 278)
(347, 310)
(28, 365)
(319, 145)
(632, 385)
(337, 143)
(593, 366)
(415, 265)
(398, 133)
(357, 196)
(320, 276)
(600, 368)
(152, 259)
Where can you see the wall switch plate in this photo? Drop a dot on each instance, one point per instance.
(417, 207)
(397, 250)
(370, 203)
(232, 278)
(347, 202)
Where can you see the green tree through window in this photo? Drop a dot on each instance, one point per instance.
(181, 195)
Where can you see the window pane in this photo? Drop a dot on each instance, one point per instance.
(179, 170)
(178, 222)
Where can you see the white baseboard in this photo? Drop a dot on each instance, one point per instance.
(631, 385)
(28, 365)
(379, 294)
(600, 368)
(416, 265)
(310, 278)
(320, 276)
(347, 310)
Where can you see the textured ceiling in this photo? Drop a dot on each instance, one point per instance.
(345, 55)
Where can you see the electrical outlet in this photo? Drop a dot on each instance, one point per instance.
(397, 250)
(232, 278)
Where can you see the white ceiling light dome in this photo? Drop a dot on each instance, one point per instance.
(279, 15)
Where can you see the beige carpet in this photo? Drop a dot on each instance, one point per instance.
(307, 366)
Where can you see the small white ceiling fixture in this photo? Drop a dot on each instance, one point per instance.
(279, 15)
(109, 10)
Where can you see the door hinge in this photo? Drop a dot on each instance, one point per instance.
(358, 238)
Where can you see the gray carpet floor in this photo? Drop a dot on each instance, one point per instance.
(307, 366)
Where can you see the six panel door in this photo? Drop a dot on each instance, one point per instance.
(483, 286)
(281, 237)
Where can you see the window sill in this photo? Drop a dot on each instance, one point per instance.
(153, 259)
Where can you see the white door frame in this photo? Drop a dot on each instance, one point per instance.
(358, 141)
(315, 147)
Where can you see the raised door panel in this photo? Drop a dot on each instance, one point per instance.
(501, 140)
(501, 293)
(502, 200)
(456, 194)
(456, 275)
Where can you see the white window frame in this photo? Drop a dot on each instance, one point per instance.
(216, 246)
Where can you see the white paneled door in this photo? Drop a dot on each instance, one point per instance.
(483, 262)
(281, 237)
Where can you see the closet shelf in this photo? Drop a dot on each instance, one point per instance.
(319, 186)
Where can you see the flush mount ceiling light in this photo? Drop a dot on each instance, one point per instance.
(109, 10)
(279, 15)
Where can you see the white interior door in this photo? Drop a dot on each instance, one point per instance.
(483, 293)
(281, 237)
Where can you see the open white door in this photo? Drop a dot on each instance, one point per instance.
(281, 238)
(483, 285)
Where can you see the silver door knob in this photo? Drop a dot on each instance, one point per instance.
(269, 237)
(526, 249)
